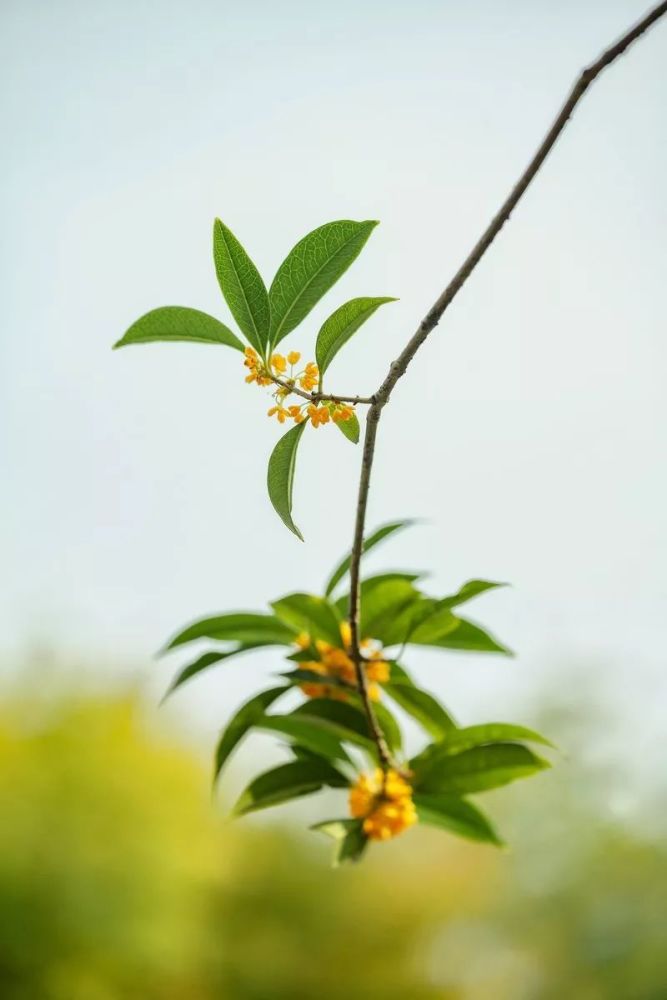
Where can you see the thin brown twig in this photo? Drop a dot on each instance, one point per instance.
(398, 367)
(321, 397)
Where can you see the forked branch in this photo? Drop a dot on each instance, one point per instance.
(398, 367)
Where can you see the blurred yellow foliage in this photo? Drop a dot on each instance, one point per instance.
(120, 881)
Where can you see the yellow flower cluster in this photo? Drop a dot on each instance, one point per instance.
(384, 801)
(258, 372)
(308, 379)
(336, 663)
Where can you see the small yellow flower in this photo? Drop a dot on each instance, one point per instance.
(296, 414)
(318, 415)
(310, 377)
(302, 640)
(278, 363)
(279, 412)
(293, 357)
(341, 413)
(384, 802)
(336, 662)
(378, 670)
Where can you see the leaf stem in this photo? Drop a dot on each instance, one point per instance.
(398, 367)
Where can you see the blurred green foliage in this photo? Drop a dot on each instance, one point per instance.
(120, 881)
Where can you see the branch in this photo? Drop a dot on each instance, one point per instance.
(398, 367)
(320, 397)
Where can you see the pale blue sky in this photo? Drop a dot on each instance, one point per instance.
(530, 430)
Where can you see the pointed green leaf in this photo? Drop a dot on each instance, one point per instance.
(465, 636)
(242, 286)
(449, 812)
(369, 584)
(350, 428)
(243, 720)
(435, 625)
(280, 477)
(311, 614)
(422, 706)
(310, 269)
(289, 781)
(176, 323)
(369, 543)
(208, 660)
(432, 624)
(477, 769)
(241, 626)
(341, 325)
(347, 721)
(381, 605)
(348, 718)
(303, 655)
(398, 631)
(301, 753)
(469, 590)
(314, 734)
(349, 836)
(456, 740)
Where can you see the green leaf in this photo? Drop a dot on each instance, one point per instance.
(368, 585)
(244, 719)
(389, 725)
(238, 626)
(435, 625)
(303, 655)
(242, 286)
(316, 735)
(457, 740)
(454, 741)
(422, 706)
(349, 718)
(311, 614)
(289, 781)
(301, 753)
(477, 769)
(350, 428)
(431, 624)
(398, 631)
(449, 812)
(341, 325)
(310, 269)
(175, 323)
(349, 836)
(469, 590)
(208, 660)
(465, 636)
(369, 543)
(280, 478)
(294, 677)
(381, 605)
(347, 721)
(399, 675)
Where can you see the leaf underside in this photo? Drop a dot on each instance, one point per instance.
(280, 476)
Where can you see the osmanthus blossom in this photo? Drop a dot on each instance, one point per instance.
(327, 735)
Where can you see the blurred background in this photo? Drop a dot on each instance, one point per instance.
(528, 437)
